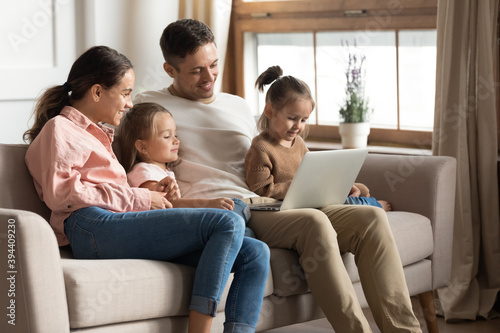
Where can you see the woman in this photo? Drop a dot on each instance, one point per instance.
(95, 211)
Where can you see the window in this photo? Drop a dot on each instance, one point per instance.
(417, 73)
(379, 72)
(308, 40)
(293, 52)
(322, 66)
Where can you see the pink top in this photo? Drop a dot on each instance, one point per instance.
(143, 172)
(73, 166)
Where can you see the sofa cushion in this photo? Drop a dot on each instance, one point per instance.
(413, 236)
(15, 177)
(103, 292)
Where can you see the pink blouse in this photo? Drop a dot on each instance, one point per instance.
(73, 166)
(143, 172)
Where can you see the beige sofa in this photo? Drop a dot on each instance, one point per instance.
(44, 290)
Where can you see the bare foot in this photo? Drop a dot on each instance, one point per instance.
(385, 205)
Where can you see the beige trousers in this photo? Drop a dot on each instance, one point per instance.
(361, 230)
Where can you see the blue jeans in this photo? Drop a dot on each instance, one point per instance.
(370, 201)
(243, 210)
(213, 236)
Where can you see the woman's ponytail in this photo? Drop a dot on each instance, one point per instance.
(98, 65)
(48, 106)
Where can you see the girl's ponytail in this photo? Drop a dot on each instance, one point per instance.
(283, 90)
(268, 77)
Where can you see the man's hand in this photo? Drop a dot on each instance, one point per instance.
(222, 203)
(158, 200)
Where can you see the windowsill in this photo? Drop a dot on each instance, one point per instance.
(376, 149)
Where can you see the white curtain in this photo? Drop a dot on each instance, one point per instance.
(217, 15)
(466, 128)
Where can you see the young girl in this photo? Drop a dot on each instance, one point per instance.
(149, 147)
(275, 154)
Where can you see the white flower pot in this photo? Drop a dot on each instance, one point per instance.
(354, 135)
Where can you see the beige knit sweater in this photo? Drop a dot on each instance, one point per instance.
(270, 167)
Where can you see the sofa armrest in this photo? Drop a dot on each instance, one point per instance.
(423, 185)
(34, 288)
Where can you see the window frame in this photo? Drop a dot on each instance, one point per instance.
(328, 15)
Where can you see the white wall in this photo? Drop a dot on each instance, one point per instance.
(134, 28)
(40, 39)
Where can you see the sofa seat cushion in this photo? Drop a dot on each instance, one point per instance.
(413, 235)
(414, 240)
(101, 292)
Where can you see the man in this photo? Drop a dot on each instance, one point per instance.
(216, 132)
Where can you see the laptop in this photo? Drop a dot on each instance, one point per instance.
(323, 178)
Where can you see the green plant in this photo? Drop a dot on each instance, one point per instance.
(356, 107)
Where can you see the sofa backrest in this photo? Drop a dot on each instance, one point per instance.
(17, 190)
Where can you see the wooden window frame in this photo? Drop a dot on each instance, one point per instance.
(329, 15)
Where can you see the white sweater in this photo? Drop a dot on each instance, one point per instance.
(214, 139)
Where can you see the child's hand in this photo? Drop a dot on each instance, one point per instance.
(169, 186)
(158, 200)
(221, 203)
(365, 192)
(355, 192)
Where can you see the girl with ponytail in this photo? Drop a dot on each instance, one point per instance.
(275, 154)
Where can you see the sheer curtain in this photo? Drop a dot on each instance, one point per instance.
(465, 128)
(217, 15)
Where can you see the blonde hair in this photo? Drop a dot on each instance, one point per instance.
(283, 91)
(138, 124)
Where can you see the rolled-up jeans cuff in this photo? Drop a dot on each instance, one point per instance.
(238, 328)
(204, 305)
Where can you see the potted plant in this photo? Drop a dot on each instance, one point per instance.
(354, 114)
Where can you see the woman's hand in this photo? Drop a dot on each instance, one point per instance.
(158, 200)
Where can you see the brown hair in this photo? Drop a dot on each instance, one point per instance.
(184, 37)
(98, 65)
(137, 124)
(283, 90)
